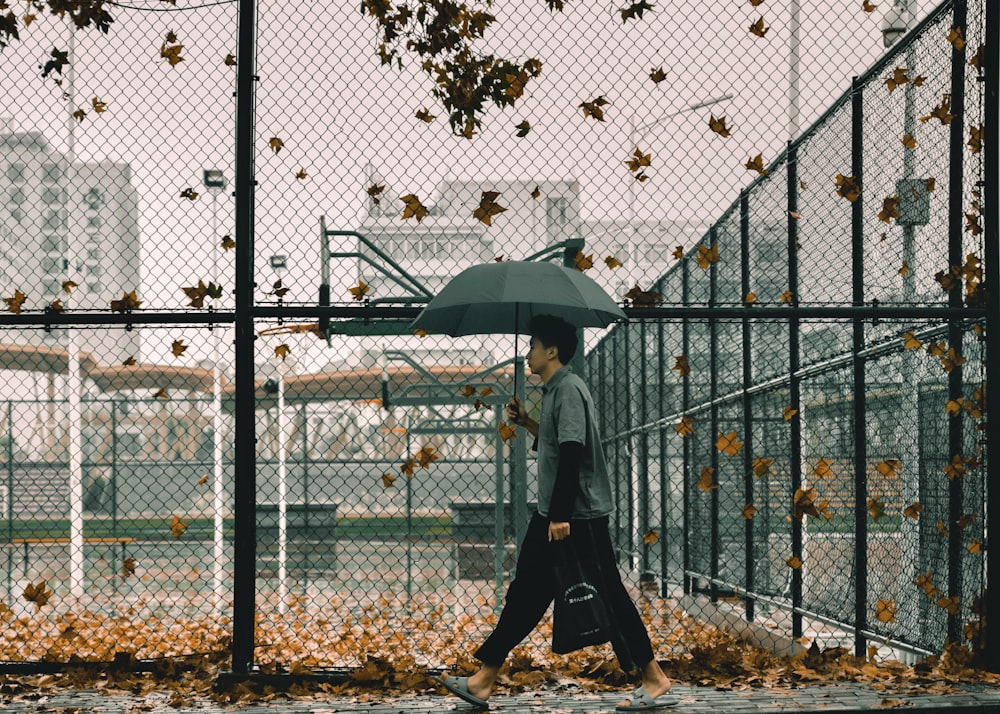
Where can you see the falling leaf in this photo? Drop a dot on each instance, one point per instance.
(909, 141)
(955, 468)
(787, 297)
(756, 164)
(506, 431)
(467, 391)
(161, 393)
(748, 511)
(940, 111)
(281, 351)
(522, 129)
(178, 348)
(425, 116)
(889, 468)
(301, 174)
(977, 58)
(794, 562)
(650, 538)
(227, 243)
(890, 209)
(942, 529)
(885, 611)
(203, 480)
(486, 392)
(278, 289)
(177, 527)
(583, 262)
(794, 215)
(750, 298)
(707, 256)
(426, 456)
(57, 306)
(128, 567)
(972, 224)
(762, 466)
(951, 604)
(936, 349)
(729, 444)
(594, 108)
(678, 253)
(275, 143)
(407, 467)
(536, 192)
(685, 427)
(657, 74)
(638, 160)
(196, 294)
(99, 106)
(59, 60)
(420, 332)
(189, 193)
(822, 468)
(612, 262)
(37, 594)
(955, 38)
(388, 479)
(643, 298)
(758, 28)
(413, 207)
(925, 582)
(488, 207)
(635, 10)
(706, 483)
(966, 520)
(975, 547)
(904, 269)
(975, 142)
(373, 192)
(919, 80)
(128, 361)
(14, 303)
(129, 301)
(914, 510)
(952, 360)
(681, 366)
(876, 508)
(898, 78)
(789, 412)
(171, 53)
(954, 406)
(28, 19)
(79, 114)
(718, 125)
(230, 60)
(867, 6)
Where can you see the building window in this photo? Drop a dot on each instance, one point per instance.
(555, 210)
(51, 173)
(15, 173)
(93, 199)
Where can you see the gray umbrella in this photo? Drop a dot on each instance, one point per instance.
(501, 298)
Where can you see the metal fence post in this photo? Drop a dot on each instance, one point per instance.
(858, 368)
(643, 454)
(713, 389)
(991, 237)
(685, 405)
(245, 466)
(956, 229)
(661, 372)
(748, 490)
(794, 386)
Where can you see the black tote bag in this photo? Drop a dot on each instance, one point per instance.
(580, 617)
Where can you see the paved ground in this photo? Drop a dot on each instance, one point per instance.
(691, 700)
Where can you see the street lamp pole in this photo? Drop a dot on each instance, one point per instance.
(636, 133)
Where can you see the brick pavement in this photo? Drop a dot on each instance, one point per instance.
(692, 700)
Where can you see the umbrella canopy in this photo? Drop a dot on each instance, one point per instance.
(503, 297)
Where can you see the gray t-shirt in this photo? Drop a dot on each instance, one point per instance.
(568, 415)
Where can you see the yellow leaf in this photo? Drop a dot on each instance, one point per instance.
(787, 297)
(867, 6)
(909, 142)
(99, 106)
(230, 60)
(301, 174)
(822, 468)
(762, 466)
(706, 483)
(594, 108)
(37, 594)
(789, 412)
(955, 38)
(488, 207)
(507, 431)
(885, 610)
(942, 528)
(129, 301)
(940, 111)
(952, 360)
(750, 298)
(706, 255)
(729, 443)
(536, 192)
(128, 567)
(910, 342)
(748, 511)
(407, 468)
(276, 144)
(758, 28)
(956, 468)
(28, 19)
(678, 253)
(171, 53)
(612, 262)
(756, 163)
(890, 468)
(876, 508)
(914, 510)
(14, 303)
(904, 269)
(954, 406)
(203, 480)
(177, 527)
(583, 262)
(227, 243)
(420, 332)
(360, 290)
(178, 348)
(794, 562)
(388, 479)
(413, 207)
(467, 391)
(486, 392)
(718, 125)
(685, 426)
(161, 393)
(681, 366)
(426, 456)
(847, 187)
(951, 604)
(796, 216)
(373, 192)
(975, 547)
(129, 361)
(890, 209)
(281, 351)
(657, 75)
(899, 78)
(650, 538)
(638, 160)
(425, 116)
(57, 306)
(79, 114)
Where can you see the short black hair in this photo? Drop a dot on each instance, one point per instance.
(553, 331)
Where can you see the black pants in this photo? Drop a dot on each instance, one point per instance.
(532, 591)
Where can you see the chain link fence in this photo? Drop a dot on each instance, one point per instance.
(218, 431)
